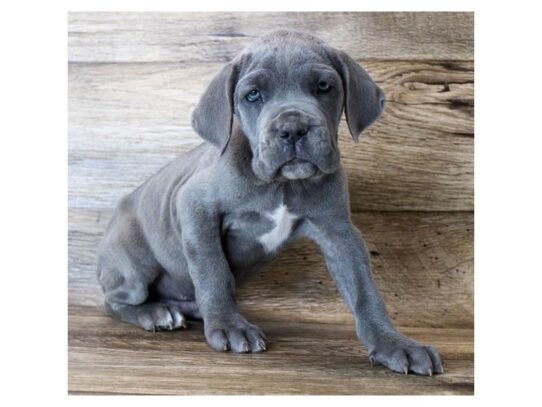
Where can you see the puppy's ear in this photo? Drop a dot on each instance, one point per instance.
(213, 117)
(364, 100)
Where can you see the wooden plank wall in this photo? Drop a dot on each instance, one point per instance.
(134, 79)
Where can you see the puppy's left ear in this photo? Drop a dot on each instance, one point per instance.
(213, 117)
(364, 100)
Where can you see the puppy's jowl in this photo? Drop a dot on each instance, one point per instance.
(268, 173)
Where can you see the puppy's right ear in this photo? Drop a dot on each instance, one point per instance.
(213, 117)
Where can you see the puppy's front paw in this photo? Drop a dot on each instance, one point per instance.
(403, 355)
(236, 335)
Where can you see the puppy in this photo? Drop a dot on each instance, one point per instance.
(268, 173)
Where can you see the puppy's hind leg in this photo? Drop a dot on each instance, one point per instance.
(126, 270)
(126, 299)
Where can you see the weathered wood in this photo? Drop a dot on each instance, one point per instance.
(109, 357)
(128, 120)
(422, 263)
(212, 37)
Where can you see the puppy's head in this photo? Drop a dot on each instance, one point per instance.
(287, 91)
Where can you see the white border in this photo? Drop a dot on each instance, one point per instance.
(276, 5)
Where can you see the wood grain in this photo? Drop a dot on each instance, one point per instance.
(107, 357)
(422, 263)
(217, 37)
(128, 120)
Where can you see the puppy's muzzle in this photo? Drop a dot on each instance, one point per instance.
(291, 126)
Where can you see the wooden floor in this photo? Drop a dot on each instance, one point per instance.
(303, 358)
(134, 79)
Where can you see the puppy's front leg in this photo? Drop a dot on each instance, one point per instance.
(225, 327)
(348, 261)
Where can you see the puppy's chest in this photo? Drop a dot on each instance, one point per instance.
(268, 229)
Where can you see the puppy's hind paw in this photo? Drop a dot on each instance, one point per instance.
(159, 317)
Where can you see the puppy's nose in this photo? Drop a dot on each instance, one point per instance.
(292, 128)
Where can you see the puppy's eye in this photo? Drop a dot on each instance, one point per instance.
(323, 87)
(253, 95)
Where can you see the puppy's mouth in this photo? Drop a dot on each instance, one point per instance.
(297, 168)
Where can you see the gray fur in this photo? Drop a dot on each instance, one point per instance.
(179, 244)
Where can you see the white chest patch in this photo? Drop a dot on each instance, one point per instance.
(284, 221)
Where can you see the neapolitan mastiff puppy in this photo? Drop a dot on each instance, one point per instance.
(269, 173)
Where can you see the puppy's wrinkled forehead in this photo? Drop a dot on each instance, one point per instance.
(282, 50)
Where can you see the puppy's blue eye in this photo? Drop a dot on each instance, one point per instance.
(323, 87)
(253, 95)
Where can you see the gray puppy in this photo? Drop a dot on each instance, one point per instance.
(269, 173)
